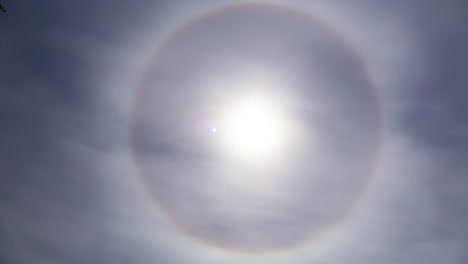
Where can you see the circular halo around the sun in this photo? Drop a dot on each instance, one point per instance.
(255, 128)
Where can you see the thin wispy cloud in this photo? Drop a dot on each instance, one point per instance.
(115, 117)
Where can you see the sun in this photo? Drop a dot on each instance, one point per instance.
(252, 129)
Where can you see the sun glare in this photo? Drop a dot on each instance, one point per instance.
(252, 129)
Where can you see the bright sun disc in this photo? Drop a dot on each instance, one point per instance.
(252, 129)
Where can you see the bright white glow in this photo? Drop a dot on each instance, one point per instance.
(252, 129)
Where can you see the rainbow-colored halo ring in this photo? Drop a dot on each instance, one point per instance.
(324, 178)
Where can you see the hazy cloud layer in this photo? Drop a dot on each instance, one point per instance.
(71, 190)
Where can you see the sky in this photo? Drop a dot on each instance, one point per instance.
(117, 147)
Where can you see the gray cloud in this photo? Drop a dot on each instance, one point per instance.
(70, 191)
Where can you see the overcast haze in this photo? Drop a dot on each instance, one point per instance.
(108, 152)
